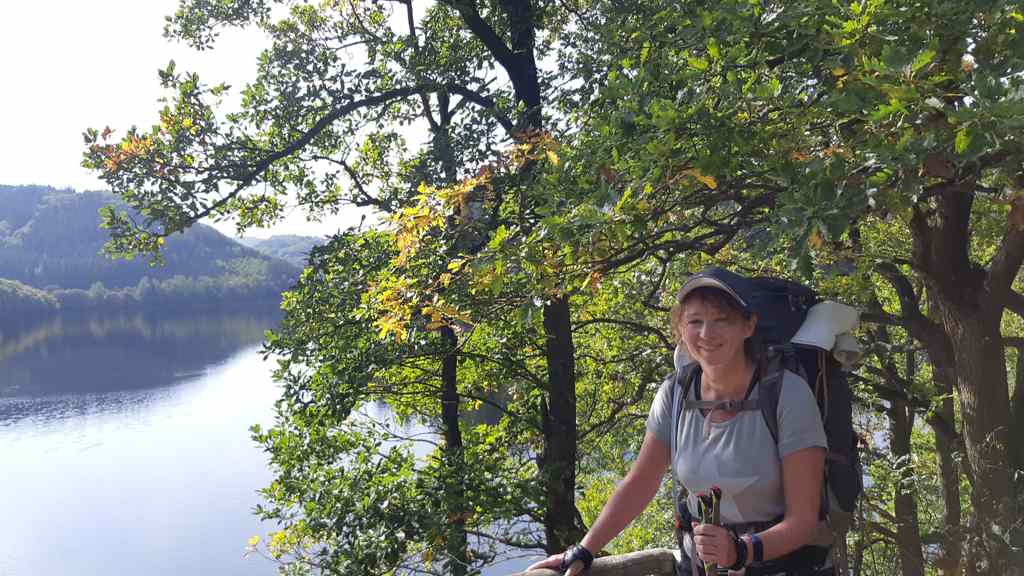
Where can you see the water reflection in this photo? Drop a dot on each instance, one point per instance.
(70, 365)
(125, 444)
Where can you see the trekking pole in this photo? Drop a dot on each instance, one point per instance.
(710, 513)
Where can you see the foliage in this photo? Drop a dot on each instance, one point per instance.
(534, 238)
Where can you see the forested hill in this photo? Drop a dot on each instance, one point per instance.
(50, 239)
(290, 247)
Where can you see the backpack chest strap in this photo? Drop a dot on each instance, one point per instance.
(724, 405)
(727, 405)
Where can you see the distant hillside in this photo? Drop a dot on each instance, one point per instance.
(290, 247)
(50, 239)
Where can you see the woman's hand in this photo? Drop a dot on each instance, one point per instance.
(714, 544)
(554, 562)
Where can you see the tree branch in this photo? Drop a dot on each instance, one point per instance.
(483, 102)
(636, 326)
(484, 32)
(1003, 268)
(246, 179)
(881, 318)
(1014, 342)
(919, 326)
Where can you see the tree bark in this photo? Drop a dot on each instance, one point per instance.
(908, 533)
(455, 494)
(558, 461)
(1017, 410)
(946, 446)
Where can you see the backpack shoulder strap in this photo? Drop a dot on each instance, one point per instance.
(682, 382)
(769, 393)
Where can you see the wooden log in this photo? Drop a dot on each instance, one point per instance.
(654, 562)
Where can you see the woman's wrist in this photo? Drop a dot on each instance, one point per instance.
(740, 553)
(574, 553)
(753, 548)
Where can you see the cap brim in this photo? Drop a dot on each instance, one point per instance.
(709, 282)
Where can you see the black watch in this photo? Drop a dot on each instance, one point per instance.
(573, 554)
(741, 553)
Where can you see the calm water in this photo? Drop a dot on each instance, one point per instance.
(124, 445)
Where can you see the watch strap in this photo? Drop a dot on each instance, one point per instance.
(574, 553)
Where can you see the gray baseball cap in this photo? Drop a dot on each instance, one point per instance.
(739, 287)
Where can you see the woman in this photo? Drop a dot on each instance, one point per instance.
(770, 492)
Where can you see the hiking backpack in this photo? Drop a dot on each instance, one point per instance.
(782, 308)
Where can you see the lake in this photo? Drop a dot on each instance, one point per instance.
(124, 445)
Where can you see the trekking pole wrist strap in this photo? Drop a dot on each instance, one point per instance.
(574, 553)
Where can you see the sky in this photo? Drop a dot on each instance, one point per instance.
(68, 65)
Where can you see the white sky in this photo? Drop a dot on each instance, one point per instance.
(68, 65)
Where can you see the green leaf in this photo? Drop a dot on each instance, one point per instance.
(713, 50)
(963, 140)
(922, 60)
(499, 237)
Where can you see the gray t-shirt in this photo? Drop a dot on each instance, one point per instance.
(739, 455)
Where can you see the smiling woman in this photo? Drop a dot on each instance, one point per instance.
(752, 502)
(715, 328)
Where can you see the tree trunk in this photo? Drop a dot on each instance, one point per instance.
(946, 446)
(1017, 410)
(970, 317)
(455, 492)
(858, 558)
(558, 461)
(454, 470)
(908, 533)
(984, 405)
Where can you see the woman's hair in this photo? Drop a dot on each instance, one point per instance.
(715, 298)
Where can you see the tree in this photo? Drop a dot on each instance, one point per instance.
(907, 112)
(296, 130)
(776, 135)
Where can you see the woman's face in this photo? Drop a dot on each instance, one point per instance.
(714, 334)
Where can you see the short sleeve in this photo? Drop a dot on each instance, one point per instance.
(659, 419)
(799, 420)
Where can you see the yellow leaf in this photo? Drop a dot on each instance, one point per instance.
(592, 280)
(552, 157)
(816, 240)
(708, 181)
(254, 541)
(436, 325)
(839, 71)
